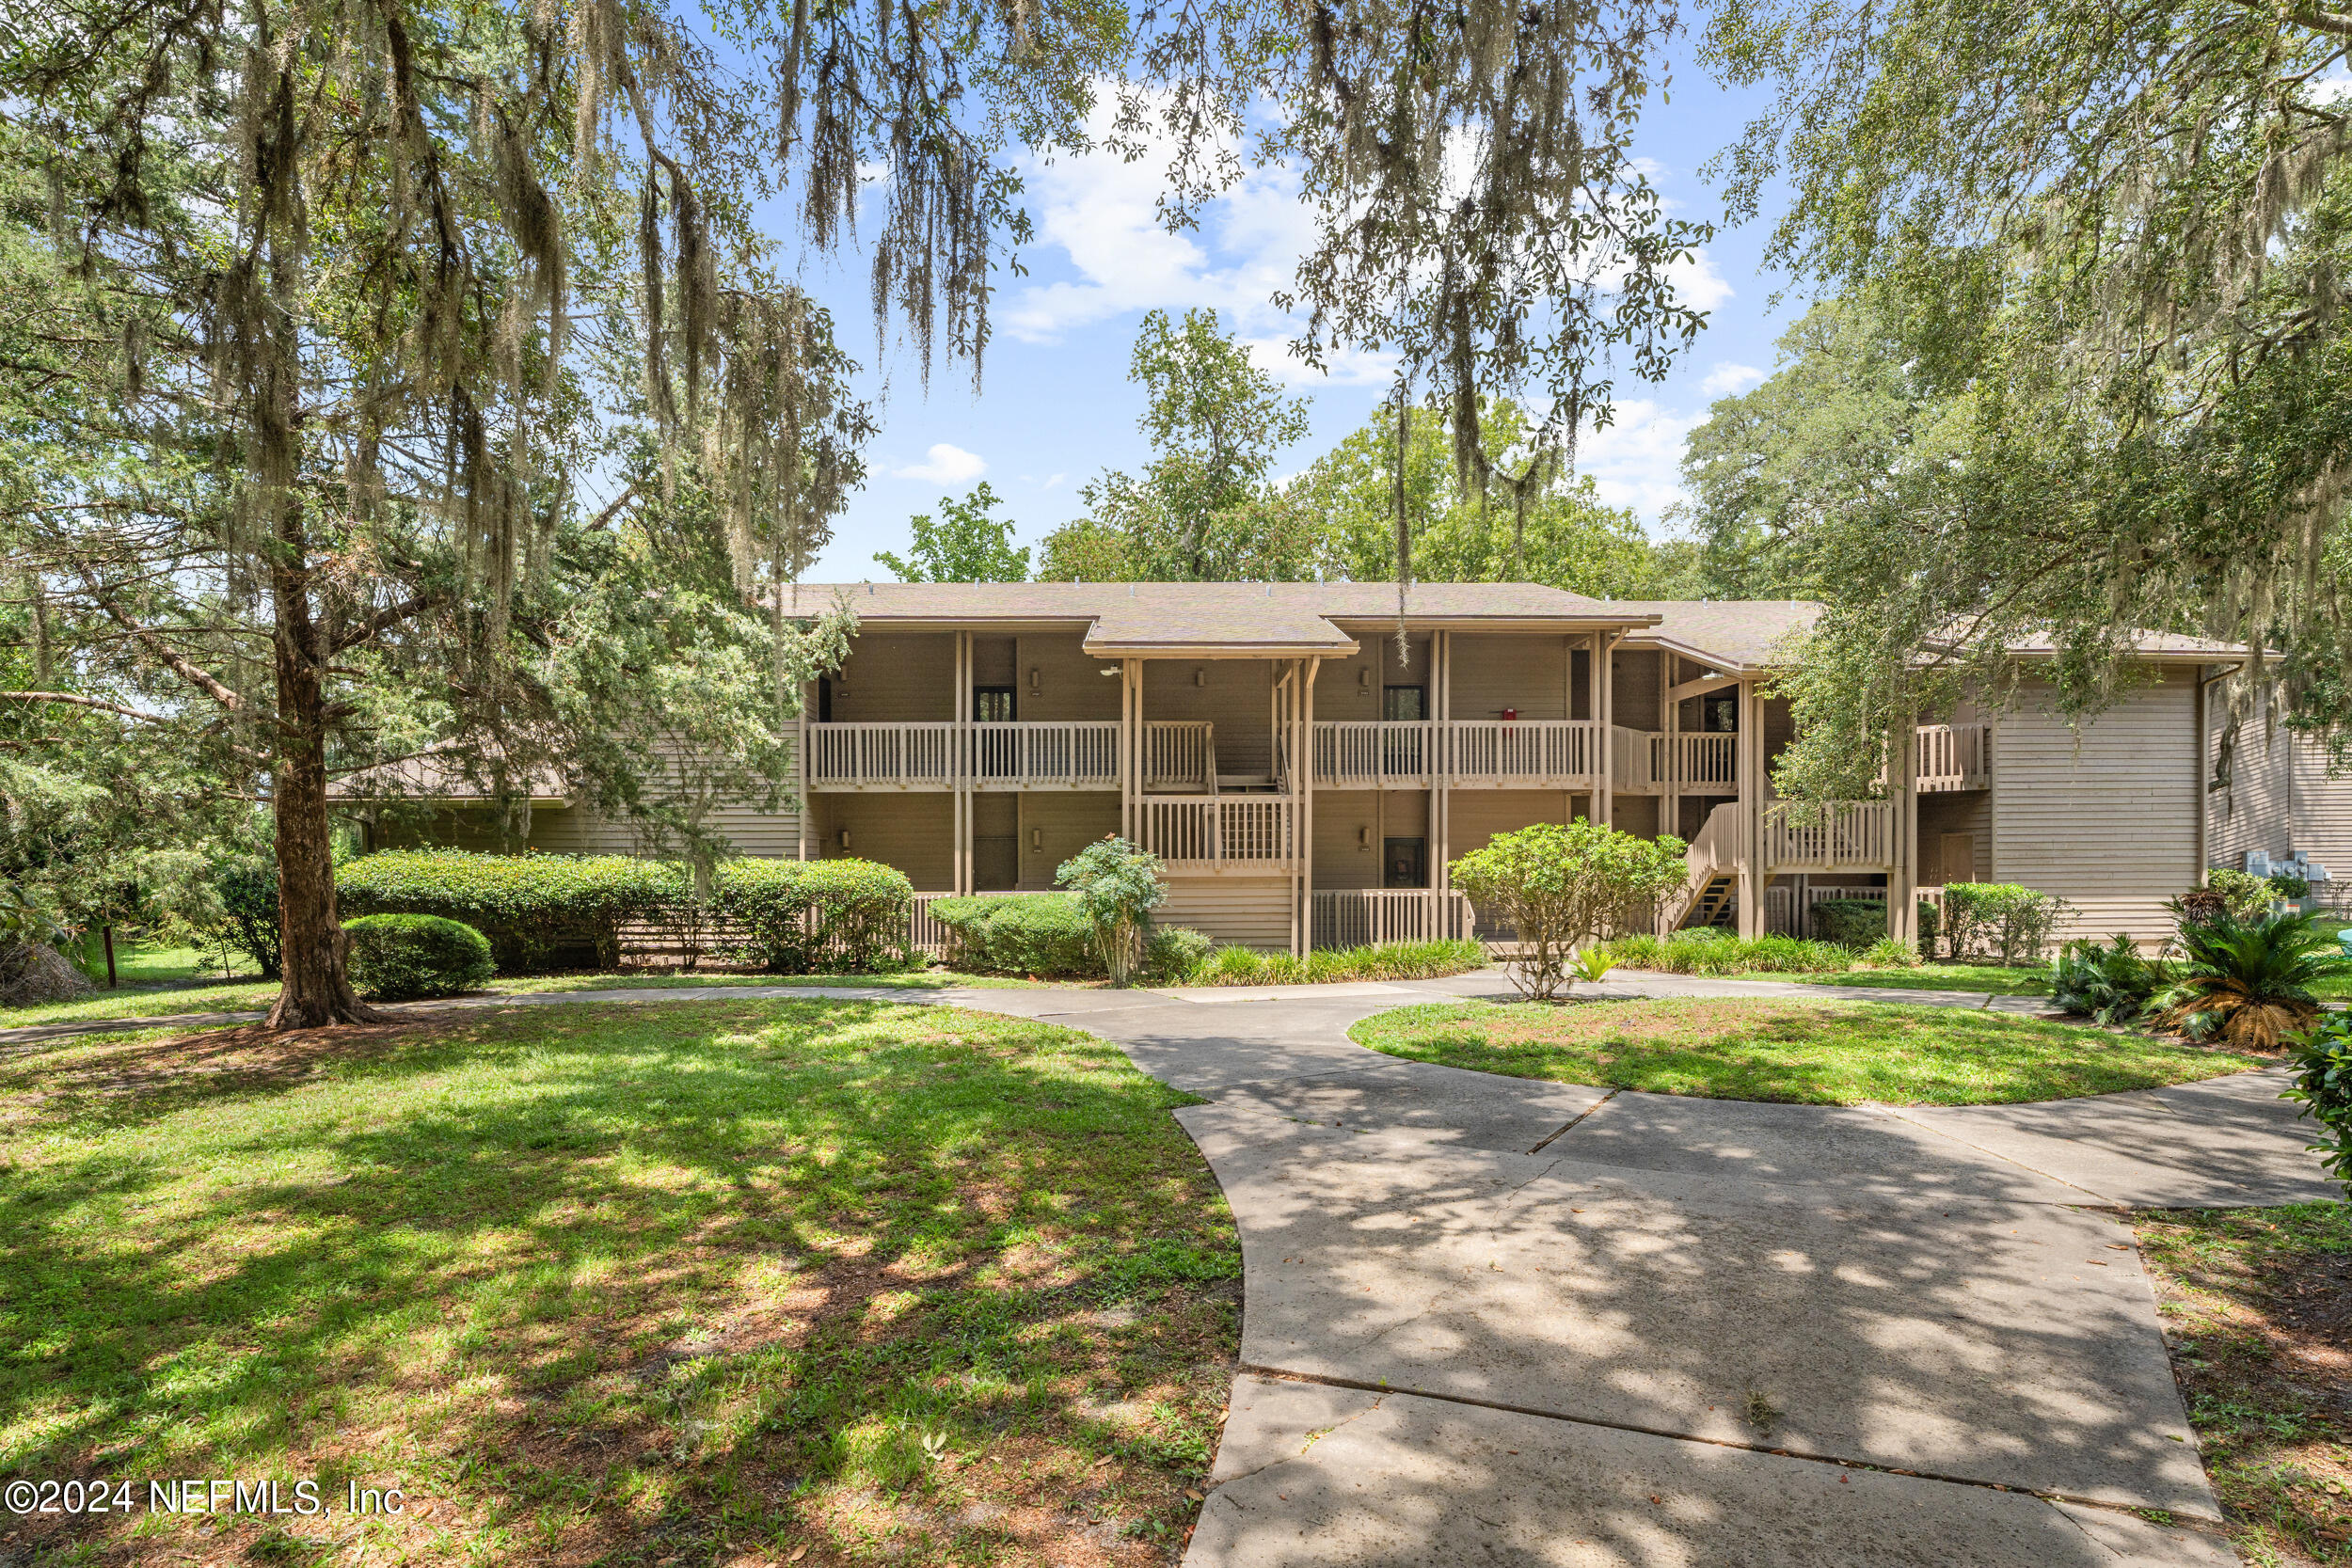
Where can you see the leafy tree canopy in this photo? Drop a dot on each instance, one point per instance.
(966, 545)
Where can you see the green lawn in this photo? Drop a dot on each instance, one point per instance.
(1999, 979)
(2258, 1307)
(1828, 1053)
(718, 1282)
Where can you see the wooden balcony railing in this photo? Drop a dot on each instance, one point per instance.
(1845, 835)
(883, 757)
(1359, 917)
(1179, 753)
(1537, 752)
(1953, 756)
(1065, 755)
(1644, 761)
(1221, 829)
(1375, 754)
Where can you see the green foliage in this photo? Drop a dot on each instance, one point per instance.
(2003, 922)
(248, 891)
(1710, 952)
(2244, 895)
(1116, 886)
(966, 545)
(1560, 885)
(1850, 923)
(2109, 983)
(1038, 934)
(1204, 508)
(2247, 983)
(808, 917)
(1930, 926)
(1887, 953)
(1592, 964)
(1173, 953)
(2322, 1059)
(533, 909)
(2291, 888)
(1387, 961)
(401, 958)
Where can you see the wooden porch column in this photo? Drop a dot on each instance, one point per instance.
(1903, 877)
(800, 767)
(1605, 709)
(1303, 814)
(963, 743)
(1131, 749)
(1750, 774)
(1440, 776)
(1670, 725)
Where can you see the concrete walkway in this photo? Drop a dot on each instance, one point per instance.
(1499, 1320)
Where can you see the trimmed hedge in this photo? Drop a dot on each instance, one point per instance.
(1855, 923)
(401, 958)
(1038, 934)
(542, 912)
(808, 917)
(531, 908)
(2004, 922)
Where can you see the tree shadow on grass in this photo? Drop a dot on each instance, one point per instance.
(686, 1245)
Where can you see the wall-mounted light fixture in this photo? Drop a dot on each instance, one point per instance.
(842, 838)
(1363, 680)
(1363, 838)
(1200, 675)
(1034, 677)
(1037, 840)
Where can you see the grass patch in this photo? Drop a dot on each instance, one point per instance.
(1999, 979)
(714, 1282)
(2258, 1313)
(1802, 1052)
(1387, 961)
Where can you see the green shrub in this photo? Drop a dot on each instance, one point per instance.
(1559, 886)
(1387, 961)
(537, 911)
(2247, 983)
(1851, 923)
(1708, 951)
(1116, 885)
(248, 921)
(2001, 921)
(1931, 927)
(1173, 953)
(2323, 1081)
(812, 917)
(1040, 934)
(399, 958)
(1887, 953)
(2245, 895)
(2107, 982)
(2291, 888)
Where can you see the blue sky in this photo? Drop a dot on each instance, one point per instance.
(1056, 406)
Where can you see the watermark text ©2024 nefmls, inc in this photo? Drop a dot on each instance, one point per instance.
(182, 1496)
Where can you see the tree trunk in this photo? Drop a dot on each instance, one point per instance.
(315, 989)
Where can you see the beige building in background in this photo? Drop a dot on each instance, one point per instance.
(1306, 760)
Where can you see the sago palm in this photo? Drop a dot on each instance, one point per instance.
(2247, 983)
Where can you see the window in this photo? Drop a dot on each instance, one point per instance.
(1404, 704)
(1719, 713)
(992, 704)
(1404, 863)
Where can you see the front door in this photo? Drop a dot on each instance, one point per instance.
(1959, 858)
(992, 704)
(1401, 704)
(997, 755)
(1404, 863)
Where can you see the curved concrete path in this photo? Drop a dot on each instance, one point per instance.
(1500, 1321)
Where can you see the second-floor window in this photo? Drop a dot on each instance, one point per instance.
(1719, 713)
(1404, 705)
(992, 704)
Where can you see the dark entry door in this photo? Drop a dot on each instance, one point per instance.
(1404, 863)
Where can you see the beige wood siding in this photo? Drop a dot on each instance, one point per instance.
(1240, 911)
(1635, 813)
(2106, 820)
(992, 661)
(1062, 823)
(1478, 815)
(1491, 672)
(1780, 727)
(912, 833)
(1341, 691)
(2280, 798)
(1636, 691)
(1345, 816)
(1968, 812)
(1069, 683)
(896, 678)
(1235, 694)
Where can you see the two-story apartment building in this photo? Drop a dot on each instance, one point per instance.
(1307, 758)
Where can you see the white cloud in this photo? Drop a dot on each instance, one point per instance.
(1048, 482)
(1636, 461)
(945, 465)
(1726, 379)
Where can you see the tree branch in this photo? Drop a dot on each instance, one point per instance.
(78, 700)
(381, 622)
(179, 665)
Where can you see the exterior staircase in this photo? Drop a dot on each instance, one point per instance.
(1713, 860)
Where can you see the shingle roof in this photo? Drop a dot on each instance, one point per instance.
(1739, 634)
(1143, 618)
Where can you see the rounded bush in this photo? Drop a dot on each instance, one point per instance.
(1855, 923)
(533, 908)
(402, 958)
(1039, 933)
(806, 917)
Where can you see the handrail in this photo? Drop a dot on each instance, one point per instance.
(1835, 836)
(1529, 750)
(1219, 829)
(1070, 752)
(884, 753)
(1953, 756)
(1179, 752)
(1380, 752)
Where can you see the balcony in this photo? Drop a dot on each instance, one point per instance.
(1493, 753)
(1845, 835)
(1224, 832)
(1080, 754)
(1953, 756)
(1373, 754)
(1643, 762)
